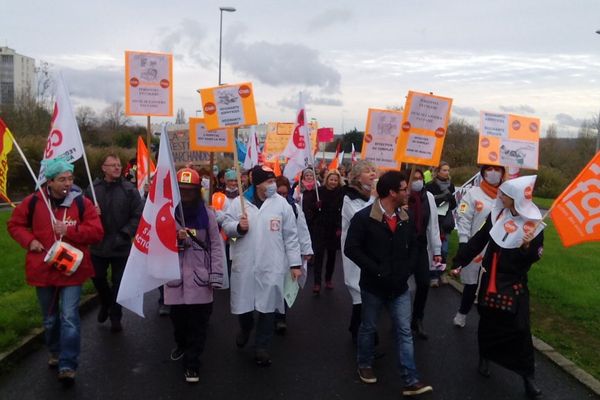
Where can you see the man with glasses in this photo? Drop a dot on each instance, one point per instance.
(381, 241)
(120, 208)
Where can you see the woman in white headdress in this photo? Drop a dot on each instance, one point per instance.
(514, 238)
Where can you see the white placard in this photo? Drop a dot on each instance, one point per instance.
(421, 146)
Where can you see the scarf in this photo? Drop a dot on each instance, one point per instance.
(416, 204)
(365, 194)
(444, 184)
(489, 190)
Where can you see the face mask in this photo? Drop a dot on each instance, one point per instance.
(271, 190)
(417, 185)
(205, 183)
(231, 190)
(492, 177)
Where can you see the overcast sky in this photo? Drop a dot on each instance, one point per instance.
(531, 57)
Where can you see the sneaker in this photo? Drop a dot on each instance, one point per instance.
(280, 327)
(102, 314)
(434, 283)
(53, 360)
(262, 358)
(329, 285)
(460, 320)
(66, 377)
(366, 375)
(316, 288)
(115, 326)
(177, 353)
(192, 375)
(164, 310)
(416, 389)
(242, 338)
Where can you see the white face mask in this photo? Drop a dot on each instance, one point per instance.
(492, 177)
(271, 190)
(417, 185)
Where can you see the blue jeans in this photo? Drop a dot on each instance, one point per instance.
(60, 311)
(400, 313)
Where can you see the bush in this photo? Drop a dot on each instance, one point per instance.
(550, 182)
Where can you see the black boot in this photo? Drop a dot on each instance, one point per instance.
(418, 330)
(484, 367)
(531, 388)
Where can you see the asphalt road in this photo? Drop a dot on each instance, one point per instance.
(314, 360)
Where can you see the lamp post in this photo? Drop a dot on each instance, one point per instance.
(598, 122)
(228, 9)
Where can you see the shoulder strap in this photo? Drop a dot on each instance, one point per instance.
(31, 208)
(80, 206)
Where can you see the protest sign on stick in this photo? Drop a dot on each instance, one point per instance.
(201, 139)
(148, 84)
(381, 138)
(228, 106)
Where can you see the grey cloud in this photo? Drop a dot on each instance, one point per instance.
(329, 17)
(523, 108)
(186, 39)
(282, 64)
(465, 111)
(292, 101)
(98, 83)
(566, 119)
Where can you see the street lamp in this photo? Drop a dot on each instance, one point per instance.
(228, 9)
(598, 121)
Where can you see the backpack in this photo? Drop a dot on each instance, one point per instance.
(31, 206)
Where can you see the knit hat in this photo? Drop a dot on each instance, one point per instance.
(56, 166)
(260, 173)
(230, 175)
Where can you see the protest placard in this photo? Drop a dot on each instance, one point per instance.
(424, 127)
(278, 135)
(381, 138)
(201, 139)
(179, 138)
(148, 83)
(228, 106)
(508, 140)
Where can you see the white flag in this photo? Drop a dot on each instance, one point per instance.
(154, 260)
(340, 159)
(252, 155)
(64, 139)
(353, 155)
(298, 147)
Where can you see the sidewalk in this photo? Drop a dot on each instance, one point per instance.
(315, 360)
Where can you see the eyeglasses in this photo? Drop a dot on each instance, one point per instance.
(112, 165)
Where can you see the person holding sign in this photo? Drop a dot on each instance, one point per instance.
(265, 250)
(74, 222)
(474, 208)
(514, 239)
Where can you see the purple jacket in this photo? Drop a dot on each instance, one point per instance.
(201, 267)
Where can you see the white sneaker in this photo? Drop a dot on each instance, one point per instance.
(460, 320)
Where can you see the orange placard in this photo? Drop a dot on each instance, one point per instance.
(508, 140)
(423, 130)
(575, 211)
(380, 142)
(148, 83)
(228, 106)
(278, 136)
(218, 141)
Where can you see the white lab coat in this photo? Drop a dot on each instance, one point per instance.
(473, 210)
(305, 243)
(351, 270)
(434, 243)
(262, 256)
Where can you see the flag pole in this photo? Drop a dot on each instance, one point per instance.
(52, 218)
(237, 172)
(89, 175)
(148, 143)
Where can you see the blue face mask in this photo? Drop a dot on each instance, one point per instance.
(271, 190)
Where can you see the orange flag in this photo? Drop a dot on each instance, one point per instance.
(142, 166)
(6, 144)
(277, 167)
(576, 212)
(334, 163)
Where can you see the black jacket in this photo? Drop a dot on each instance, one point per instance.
(386, 259)
(121, 208)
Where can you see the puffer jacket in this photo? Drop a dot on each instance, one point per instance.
(80, 233)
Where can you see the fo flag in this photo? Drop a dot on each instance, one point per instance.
(153, 260)
(298, 148)
(576, 212)
(143, 172)
(64, 139)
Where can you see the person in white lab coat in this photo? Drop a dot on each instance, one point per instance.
(361, 182)
(266, 248)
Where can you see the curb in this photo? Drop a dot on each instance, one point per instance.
(561, 361)
(35, 339)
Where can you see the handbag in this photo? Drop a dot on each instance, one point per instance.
(64, 257)
(505, 299)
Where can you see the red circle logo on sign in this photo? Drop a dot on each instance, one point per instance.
(142, 236)
(529, 226)
(478, 206)
(493, 156)
(510, 226)
(528, 193)
(485, 142)
(368, 138)
(533, 127)
(439, 132)
(134, 82)
(406, 126)
(244, 91)
(210, 108)
(516, 125)
(164, 83)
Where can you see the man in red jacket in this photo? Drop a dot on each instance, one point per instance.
(74, 222)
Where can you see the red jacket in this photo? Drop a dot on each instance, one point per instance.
(79, 234)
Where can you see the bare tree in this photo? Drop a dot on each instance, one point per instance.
(114, 116)
(552, 131)
(86, 118)
(180, 118)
